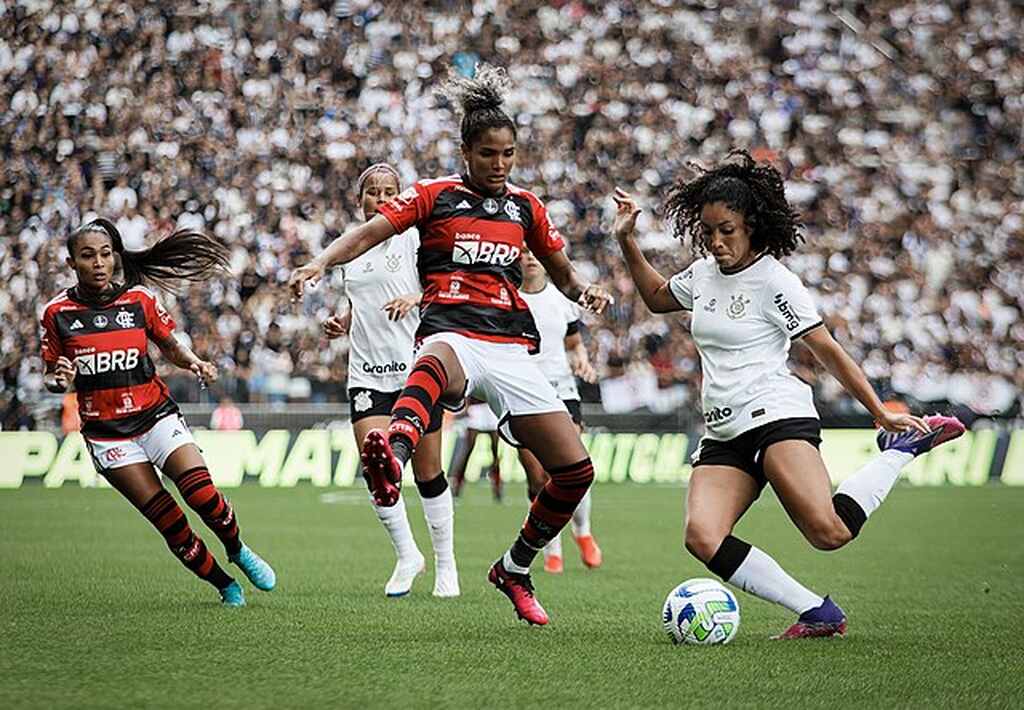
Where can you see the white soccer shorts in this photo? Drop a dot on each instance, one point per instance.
(155, 446)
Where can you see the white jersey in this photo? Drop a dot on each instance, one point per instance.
(553, 312)
(381, 349)
(742, 325)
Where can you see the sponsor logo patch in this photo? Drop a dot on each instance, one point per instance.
(490, 206)
(98, 363)
(100, 321)
(387, 368)
(463, 206)
(77, 324)
(469, 248)
(792, 319)
(717, 415)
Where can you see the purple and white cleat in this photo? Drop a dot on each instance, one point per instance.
(913, 442)
(827, 619)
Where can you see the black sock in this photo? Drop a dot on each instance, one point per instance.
(729, 556)
(434, 487)
(401, 447)
(850, 512)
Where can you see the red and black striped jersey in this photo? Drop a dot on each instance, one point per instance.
(119, 394)
(469, 256)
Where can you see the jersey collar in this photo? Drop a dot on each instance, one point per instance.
(472, 188)
(75, 294)
(733, 272)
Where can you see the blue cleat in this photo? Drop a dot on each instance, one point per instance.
(827, 619)
(913, 442)
(232, 595)
(255, 568)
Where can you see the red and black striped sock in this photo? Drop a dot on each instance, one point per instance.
(410, 416)
(552, 509)
(168, 518)
(202, 496)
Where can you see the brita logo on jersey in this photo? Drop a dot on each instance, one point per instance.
(470, 248)
(792, 319)
(717, 415)
(98, 363)
(387, 369)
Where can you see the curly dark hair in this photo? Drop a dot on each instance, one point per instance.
(753, 189)
(185, 255)
(478, 100)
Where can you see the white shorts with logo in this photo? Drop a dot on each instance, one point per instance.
(155, 446)
(502, 374)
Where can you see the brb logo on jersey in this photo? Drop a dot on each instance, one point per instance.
(98, 363)
(792, 319)
(470, 248)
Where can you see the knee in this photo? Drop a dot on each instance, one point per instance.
(702, 540)
(827, 533)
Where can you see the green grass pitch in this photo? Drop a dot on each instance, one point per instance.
(96, 612)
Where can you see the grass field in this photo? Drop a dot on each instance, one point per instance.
(96, 612)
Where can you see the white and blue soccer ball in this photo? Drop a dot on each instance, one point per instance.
(701, 611)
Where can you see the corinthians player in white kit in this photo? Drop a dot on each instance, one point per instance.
(561, 358)
(383, 289)
(761, 424)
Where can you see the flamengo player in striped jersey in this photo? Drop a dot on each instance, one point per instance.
(562, 358)
(95, 335)
(761, 423)
(383, 290)
(475, 331)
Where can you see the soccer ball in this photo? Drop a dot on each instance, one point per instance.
(701, 611)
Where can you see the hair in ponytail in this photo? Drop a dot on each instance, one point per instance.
(184, 255)
(478, 100)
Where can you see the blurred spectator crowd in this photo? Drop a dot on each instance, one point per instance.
(897, 124)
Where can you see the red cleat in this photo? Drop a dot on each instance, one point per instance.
(827, 619)
(382, 468)
(553, 564)
(589, 551)
(519, 589)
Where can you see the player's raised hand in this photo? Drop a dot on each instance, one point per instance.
(398, 308)
(205, 371)
(337, 326)
(895, 421)
(595, 299)
(310, 273)
(64, 373)
(626, 212)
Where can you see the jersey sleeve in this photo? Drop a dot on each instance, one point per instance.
(573, 314)
(543, 237)
(681, 287)
(159, 323)
(788, 305)
(409, 208)
(49, 340)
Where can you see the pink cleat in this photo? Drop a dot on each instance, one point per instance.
(913, 442)
(519, 589)
(821, 621)
(382, 468)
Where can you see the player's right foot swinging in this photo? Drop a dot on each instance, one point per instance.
(519, 589)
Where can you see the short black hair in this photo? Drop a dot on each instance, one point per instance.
(755, 190)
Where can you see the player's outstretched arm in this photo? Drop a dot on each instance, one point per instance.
(841, 366)
(563, 275)
(579, 359)
(181, 355)
(341, 251)
(653, 287)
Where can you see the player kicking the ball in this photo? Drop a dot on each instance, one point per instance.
(95, 336)
(761, 423)
(475, 331)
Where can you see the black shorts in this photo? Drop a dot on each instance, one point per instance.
(575, 410)
(364, 402)
(746, 451)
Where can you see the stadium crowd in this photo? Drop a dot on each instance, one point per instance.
(898, 125)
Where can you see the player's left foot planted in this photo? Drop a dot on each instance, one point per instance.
(827, 619)
(232, 595)
(256, 569)
(913, 442)
(519, 589)
(404, 575)
(382, 467)
(589, 551)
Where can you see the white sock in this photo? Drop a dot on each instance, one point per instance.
(762, 576)
(581, 517)
(396, 522)
(871, 484)
(440, 514)
(554, 548)
(510, 566)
